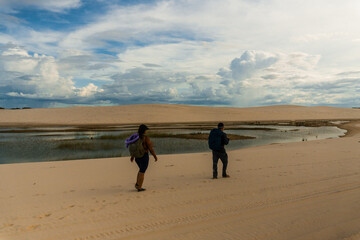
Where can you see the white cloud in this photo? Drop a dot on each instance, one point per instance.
(249, 62)
(50, 5)
(260, 78)
(36, 76)
(205, 52)
(293, 78)
(89, 90)
(303, 60)
(187, 56)
(308, 38)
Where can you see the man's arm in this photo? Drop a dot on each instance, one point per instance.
(225, 139)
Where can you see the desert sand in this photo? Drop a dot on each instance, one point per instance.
(162, 113)
(306, 190)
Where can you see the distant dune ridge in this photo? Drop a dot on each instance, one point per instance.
(305, 190)
(162, 113)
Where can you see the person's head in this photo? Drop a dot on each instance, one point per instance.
(221, 126)
(142, 130)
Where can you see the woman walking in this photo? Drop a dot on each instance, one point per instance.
(139, 146)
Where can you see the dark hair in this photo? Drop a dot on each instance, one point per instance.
(142, 129)
(220, 125)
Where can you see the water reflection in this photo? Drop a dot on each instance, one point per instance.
(53, 144)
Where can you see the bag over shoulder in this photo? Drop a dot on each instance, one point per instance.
(214, 140)
(135, 145)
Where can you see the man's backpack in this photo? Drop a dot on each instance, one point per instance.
(215, 139)
(137, 149)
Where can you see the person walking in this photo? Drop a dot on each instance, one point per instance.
(139, 146)
(217, 140)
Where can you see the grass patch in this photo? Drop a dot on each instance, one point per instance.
(198, 136)
(114, 137)
(85, 146)
(246, 128)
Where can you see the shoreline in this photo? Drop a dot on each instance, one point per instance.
(196, 136)
(109, 126)
(350, 128)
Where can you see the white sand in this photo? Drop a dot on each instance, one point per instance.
(307, 190)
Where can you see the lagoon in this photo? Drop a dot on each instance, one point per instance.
(19, 145)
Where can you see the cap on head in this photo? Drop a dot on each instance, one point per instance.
(220, 125)
(142, 129)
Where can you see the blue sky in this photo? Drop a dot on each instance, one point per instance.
(218, 53)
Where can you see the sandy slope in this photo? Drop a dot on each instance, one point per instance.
(168, 113)
(307, 190)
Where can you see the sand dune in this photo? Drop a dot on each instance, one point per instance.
(307, 190)
(158, 113)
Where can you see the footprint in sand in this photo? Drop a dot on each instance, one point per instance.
(70, 191)
(32, 227)
(6, 225)
(39, 195)
(43, 215)
(96, 209)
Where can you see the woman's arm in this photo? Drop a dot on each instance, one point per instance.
(150, 147)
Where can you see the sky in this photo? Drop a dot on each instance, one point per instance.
(235, 53)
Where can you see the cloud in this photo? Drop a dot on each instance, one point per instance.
(293, 78)
(49, 5)
(35, 77)
(238, 53)
(143, 84)
(303, 60)
(89, 90)
(270, 76)
(249, 62)
(151, 65)
(260, 78)
(38, 70)
(349, 73)
(307, 38)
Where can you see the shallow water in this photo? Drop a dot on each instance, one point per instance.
(53, 144)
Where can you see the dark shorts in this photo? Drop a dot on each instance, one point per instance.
(143, 162)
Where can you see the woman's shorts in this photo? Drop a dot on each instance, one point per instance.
(143, 162)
